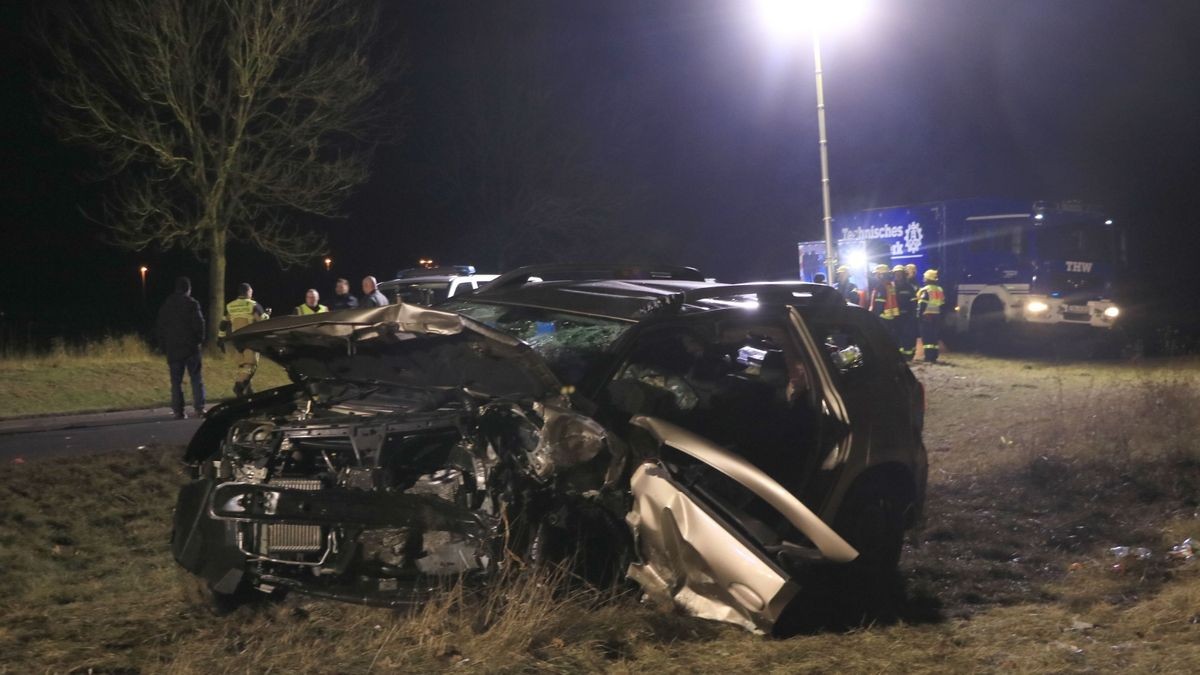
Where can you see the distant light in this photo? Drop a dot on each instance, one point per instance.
(1039, 217)
(1112, 312)
(857, 258)
(1108, 222)
(789, 19)
(328, 264)
(1036, 307)
(143, 269)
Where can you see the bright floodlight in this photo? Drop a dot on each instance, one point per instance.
(788, 19)
(856, 259)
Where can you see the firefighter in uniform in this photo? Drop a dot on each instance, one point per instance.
(239, 313)
(930, 299)
(312, 304)
(906, 319)
(883, 299)
(847, 288)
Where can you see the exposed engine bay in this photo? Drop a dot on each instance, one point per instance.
(345, 496)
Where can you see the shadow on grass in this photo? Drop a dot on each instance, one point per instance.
(833, 600)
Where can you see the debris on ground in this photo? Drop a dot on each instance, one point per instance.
(1188, 550)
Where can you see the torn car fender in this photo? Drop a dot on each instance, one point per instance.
(690, 557)
(829, 543)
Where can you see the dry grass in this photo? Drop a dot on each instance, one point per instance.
(114, 373)
(1013, 572)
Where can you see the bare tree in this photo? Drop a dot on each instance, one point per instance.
(218, 121)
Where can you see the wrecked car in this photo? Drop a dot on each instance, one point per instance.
(706, 441)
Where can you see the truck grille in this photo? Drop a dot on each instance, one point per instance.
(288, 538)
(1075, 316)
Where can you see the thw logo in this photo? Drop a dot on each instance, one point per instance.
(1073, 266)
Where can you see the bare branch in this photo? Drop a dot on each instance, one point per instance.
(218, 120)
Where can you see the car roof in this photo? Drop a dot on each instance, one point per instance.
(637, 299)
(435, 278)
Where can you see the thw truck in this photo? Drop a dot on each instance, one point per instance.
(1002, 263)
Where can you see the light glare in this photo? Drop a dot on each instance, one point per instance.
(789, 19)
(1112, 312)
(1037, 307)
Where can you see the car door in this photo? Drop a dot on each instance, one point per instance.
(710, 520)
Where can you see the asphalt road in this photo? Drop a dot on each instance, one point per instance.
(40, 438)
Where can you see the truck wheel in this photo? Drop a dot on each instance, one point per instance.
(987, 326)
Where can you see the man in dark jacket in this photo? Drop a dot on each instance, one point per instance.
(371, 295)
(180, 328)
(342, 299)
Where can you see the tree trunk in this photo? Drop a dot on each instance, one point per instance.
(216, 285)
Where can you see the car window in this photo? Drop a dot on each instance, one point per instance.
(846, 348)
(424, 293)
(714, 382)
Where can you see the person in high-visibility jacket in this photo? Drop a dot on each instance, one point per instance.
(239, 313)
(930, 299)
(883, 299)
(312, 304)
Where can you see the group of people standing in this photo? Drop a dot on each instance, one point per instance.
(180, 330)
(342, 298)
(906, 310)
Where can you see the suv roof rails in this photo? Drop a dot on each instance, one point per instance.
(768, 292)
(580, 272)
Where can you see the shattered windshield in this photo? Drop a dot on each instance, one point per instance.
(570, 344)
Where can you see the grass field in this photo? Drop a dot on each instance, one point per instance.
(116, 373)
(1036, 471)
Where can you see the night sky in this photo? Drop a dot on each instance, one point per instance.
(700, 135)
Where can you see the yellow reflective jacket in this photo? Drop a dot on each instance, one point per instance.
(930, 299)
(241, 312)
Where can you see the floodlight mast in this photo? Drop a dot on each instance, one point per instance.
(785, 19)
(830, 251)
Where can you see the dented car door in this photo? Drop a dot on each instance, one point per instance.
(692, 548)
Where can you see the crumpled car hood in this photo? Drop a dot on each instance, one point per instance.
(402, 345)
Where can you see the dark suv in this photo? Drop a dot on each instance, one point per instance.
(708, 441)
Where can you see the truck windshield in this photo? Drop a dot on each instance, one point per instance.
(1075, 241)
(571, 344)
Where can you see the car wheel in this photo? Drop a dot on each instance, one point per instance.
(872, 521)
(199, 593)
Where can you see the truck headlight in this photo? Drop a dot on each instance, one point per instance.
(1112, 312)
(1036, 307)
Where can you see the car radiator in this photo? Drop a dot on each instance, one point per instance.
(280, 538)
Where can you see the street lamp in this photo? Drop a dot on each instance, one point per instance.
(142, 270)
(328, 264)
(786, 20)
